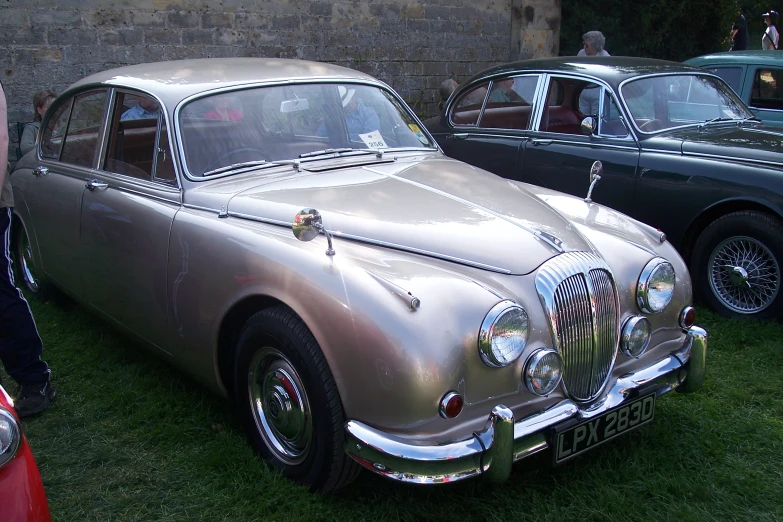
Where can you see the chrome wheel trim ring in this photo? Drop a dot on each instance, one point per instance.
(744, 274)
(280, 406)
(26, 260)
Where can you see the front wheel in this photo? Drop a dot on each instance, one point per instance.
(289, 402)
(736, 265)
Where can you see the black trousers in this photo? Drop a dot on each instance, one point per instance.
(20, 344)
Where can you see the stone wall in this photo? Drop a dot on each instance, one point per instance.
(412, 45)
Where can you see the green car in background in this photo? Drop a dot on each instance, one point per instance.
(756, 76)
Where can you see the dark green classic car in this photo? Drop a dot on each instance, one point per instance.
(676, 148)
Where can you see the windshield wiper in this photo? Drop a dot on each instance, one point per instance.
(233, 166)
(329, 151)
(715, 120)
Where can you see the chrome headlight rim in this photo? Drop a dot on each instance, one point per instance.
(486, 332)
(534, 359)
(16, 437)
(643, 285)
(625, 337)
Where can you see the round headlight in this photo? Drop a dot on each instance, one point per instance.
(636, 336)
(10, 436)
(543, 372)
(656, 286)
(503, 334)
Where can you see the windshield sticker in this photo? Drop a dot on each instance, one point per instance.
(417, 131)
(373, 140)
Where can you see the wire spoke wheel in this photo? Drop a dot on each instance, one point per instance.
(744, 274)
(280, 405)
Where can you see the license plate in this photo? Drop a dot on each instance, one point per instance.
(575, 440)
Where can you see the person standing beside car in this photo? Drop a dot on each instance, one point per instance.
(41, 102)
(20, 344)
(739, 32)
(594, 43)
(771, 38)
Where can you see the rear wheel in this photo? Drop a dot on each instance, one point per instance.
(737, 263)
(289, 402)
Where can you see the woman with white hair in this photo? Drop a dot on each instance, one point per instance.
(594, 42)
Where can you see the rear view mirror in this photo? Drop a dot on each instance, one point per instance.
(299, 104)
(588, 126)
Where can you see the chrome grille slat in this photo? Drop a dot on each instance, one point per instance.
(578, 293)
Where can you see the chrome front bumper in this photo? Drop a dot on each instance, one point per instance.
(492, 451)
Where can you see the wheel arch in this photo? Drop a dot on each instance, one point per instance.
(722, 208)
(228, 334)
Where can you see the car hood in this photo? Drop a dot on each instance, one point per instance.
(748, 142)
(425, 204)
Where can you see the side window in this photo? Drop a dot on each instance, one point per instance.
(610, 123)
(568, 101)
(730, 75)
(767, 89)
(133, 136)
(467, 108)
(52, 139)
(509, 103)
(84, 127)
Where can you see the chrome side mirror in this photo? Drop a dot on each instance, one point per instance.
(588, 126)
(308, 224)
(595, 177)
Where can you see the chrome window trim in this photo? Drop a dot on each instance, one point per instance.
(655, 75)
(754, 108)
(180, 151)
(733, 159)
(605, 87)
(589, 142)
(163, 111)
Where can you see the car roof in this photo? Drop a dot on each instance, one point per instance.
(172, 81)
(612, 69)
(739, 58)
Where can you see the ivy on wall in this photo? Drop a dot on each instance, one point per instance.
(666, 29)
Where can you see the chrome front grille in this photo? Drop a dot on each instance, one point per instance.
(578, 294)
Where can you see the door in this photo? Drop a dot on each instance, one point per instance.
(68, 150)
(127, 213)
(559, 155)
(491, 122)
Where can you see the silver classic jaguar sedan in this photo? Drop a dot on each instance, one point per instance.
(290, 235)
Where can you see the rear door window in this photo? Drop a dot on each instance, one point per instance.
(730, 75)
(510, 103)
(467, 108)
(84, 128)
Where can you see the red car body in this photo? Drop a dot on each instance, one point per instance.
(22, 495)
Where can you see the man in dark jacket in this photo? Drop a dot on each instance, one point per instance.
(20, 344)
(739, 32)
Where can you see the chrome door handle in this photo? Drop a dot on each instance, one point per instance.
(541, 142)
(460, 135)
(94, 184)
(40, 171)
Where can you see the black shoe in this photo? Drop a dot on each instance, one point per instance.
(33, 398)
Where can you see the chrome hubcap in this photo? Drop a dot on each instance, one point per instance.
(280, 406)
(26, 260)
(744, 275)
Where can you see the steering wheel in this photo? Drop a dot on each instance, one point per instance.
(216, 162)
(652, 125)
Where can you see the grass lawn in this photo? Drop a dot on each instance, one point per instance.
(129, 438)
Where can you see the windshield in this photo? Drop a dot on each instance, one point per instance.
(287, 122)
(662, 102)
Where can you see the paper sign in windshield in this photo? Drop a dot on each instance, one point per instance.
(373, 140)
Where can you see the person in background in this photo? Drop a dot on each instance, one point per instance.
(739, 32)
(20, 344)
(41, 102)
(771, 38)
(503, 92)
(446, 88)
(145, 108)
(221, 109)
(594, 43)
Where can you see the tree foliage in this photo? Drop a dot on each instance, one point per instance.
(665, 29)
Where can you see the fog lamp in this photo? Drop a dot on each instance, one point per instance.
(543, 371)
(636, 336)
